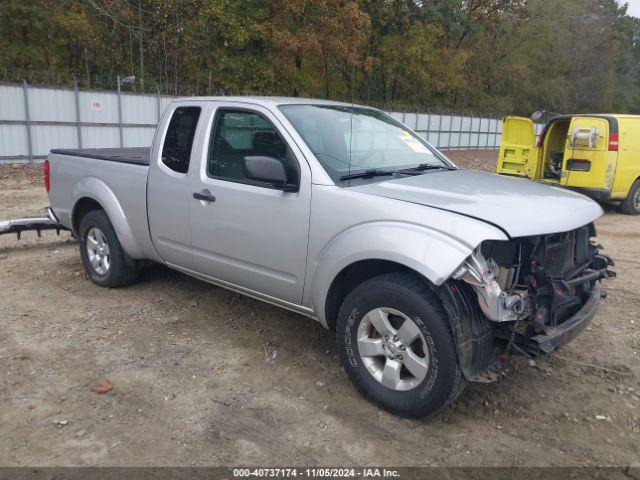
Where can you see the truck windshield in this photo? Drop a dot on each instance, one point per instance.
(348, 141)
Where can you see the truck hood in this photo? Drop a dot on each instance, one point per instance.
(519, 207)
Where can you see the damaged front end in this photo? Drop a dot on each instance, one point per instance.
(538, 292)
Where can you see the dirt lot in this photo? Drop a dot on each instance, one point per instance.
(193, 383)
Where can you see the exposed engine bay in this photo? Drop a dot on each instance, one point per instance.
(529, 287)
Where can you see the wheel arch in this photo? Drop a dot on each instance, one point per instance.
(83, 206)
(93, 194)
(353, 275)
(430, 253)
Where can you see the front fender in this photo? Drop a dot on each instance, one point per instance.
(432, 253)
(96, 189)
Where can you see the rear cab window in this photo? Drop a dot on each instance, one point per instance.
(176, 151)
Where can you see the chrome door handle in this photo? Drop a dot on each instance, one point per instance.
(205, 197)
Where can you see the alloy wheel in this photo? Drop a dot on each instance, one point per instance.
(98, 251)
(393, 349)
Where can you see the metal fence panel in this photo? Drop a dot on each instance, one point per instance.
(139, 109)
(137, 136)
(11, 103)
(99, 137)
(68, 118)
(13, 140)
(46, 137)
(98, 107)
(51, 105)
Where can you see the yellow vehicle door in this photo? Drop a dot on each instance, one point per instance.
(588, 163)
(518, 153)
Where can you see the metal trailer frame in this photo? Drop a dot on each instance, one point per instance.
(38, 224)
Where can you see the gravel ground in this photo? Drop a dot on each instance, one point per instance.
(196, 379)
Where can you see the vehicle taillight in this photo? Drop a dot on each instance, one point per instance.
(540, 138)
(47, 176)
(613, 142)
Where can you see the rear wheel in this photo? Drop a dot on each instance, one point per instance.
(395, 343)
(104, 259)
(631, 205)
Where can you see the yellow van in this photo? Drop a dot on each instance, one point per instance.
(597, 155)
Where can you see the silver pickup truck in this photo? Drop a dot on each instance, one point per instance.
(429, 275)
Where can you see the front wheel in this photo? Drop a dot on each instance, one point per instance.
(631, 205)
(104, 259)
(396, 345)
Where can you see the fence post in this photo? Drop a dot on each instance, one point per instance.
(158, 102)
(439, 129)
(450, 131)
(27, 117)
(120, 113)
(77, 99)
(486, 144)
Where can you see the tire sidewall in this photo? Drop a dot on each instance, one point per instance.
(435, 390)
(630, 207)
(98, 219)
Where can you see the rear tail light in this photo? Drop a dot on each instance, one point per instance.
(540, 138)
(47, 175)
(613, 142)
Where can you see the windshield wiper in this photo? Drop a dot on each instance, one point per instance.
(423, 167)
(368, 174)
(406, 171)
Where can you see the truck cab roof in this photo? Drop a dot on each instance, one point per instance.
(265, 101)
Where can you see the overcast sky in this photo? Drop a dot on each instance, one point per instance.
(634, 7)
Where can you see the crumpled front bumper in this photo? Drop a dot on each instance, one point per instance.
(558, 336)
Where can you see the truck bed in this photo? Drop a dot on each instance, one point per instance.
(135, 155)
(116, 178)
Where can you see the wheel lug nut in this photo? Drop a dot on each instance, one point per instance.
(403, 348)
(386, 337)
(400, 357)
(395, 338)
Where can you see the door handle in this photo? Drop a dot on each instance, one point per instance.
(205, 197)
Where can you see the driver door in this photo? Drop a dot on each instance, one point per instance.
(246, 233)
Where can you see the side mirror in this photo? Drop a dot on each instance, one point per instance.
(268, 170)
(535, 116)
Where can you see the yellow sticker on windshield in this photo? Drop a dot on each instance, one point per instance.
(413, 143)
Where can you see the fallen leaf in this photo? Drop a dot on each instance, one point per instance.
(102, 388)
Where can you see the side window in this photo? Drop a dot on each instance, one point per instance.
(176, 151)
(238, 134)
